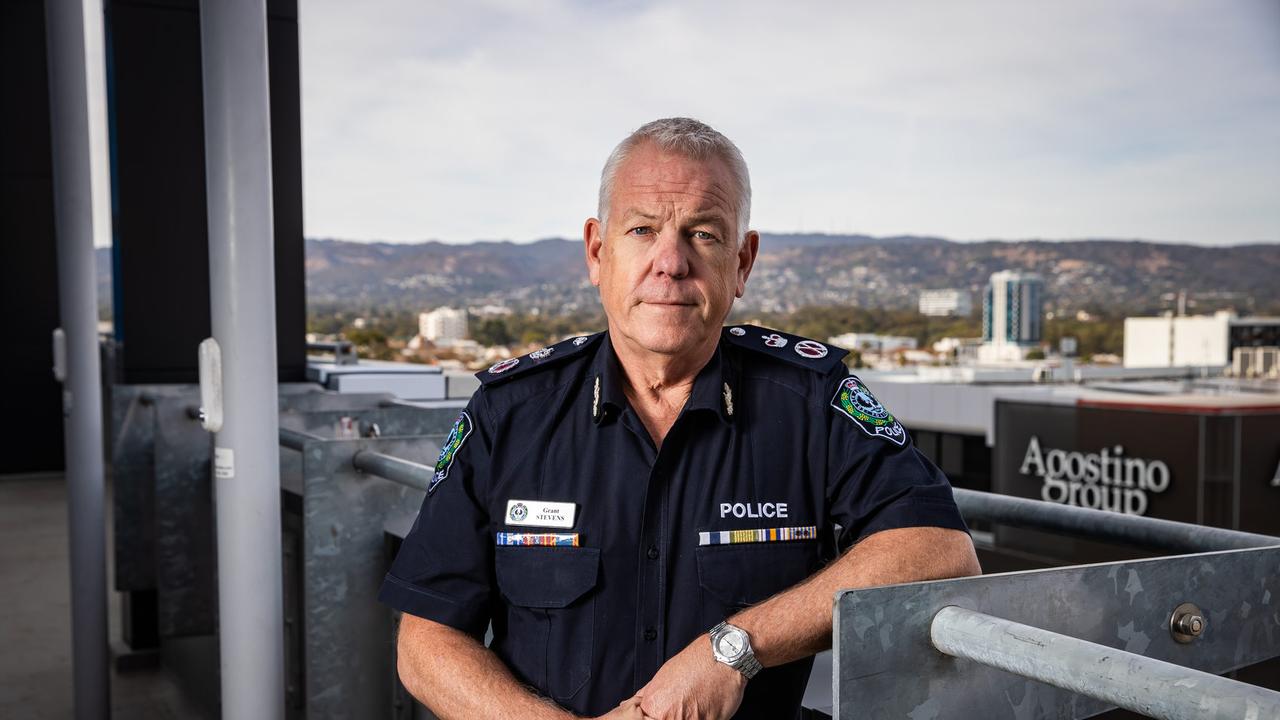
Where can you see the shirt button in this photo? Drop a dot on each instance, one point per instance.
(653, 552)
(650, 634)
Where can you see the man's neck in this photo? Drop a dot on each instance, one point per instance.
(658, 385)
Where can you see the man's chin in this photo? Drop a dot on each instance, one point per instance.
(669, 338)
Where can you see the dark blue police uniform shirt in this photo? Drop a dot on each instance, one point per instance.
(775, 436)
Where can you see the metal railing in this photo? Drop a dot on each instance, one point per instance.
(1144, 685)
(406, 472)
(1145, 532)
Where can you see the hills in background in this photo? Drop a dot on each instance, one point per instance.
(795, 270)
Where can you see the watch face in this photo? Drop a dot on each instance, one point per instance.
(731, 644)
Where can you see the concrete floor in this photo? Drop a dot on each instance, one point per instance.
(35, 611)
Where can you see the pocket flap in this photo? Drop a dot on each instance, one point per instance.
(740, 575)
(546, 577)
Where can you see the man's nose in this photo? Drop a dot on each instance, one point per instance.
(670, 257)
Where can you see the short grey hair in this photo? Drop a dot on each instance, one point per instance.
(688, 137)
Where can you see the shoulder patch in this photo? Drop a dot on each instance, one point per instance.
(784, 346)
(444, 462)
(855, 401)
(547, 356)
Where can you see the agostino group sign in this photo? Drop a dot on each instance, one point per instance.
(1113, 459)
(1103, 480)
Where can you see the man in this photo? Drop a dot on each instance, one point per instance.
(644, 514)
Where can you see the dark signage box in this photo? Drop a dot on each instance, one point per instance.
(1196, 464)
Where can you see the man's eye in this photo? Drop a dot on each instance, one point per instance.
(642, 230)
(704, 236)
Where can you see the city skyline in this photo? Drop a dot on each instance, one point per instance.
(989, 121)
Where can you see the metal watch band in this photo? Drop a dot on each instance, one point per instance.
(749, 665)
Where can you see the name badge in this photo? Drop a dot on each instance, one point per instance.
(540, 513)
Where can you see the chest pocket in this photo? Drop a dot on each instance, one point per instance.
(735, 576)
(550, 614)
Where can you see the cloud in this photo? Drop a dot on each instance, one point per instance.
(460, 121)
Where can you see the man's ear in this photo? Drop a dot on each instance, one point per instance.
(593, 242)
(747, 259)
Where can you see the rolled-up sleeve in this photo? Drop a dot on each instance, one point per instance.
(878, 480)
(444, 570)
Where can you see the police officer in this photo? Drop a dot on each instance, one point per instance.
(654, 519)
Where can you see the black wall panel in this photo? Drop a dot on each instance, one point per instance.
(30, 404)
(161, 227)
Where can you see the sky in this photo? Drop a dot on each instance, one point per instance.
(491, 119)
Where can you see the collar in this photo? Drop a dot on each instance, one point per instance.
(713, 388)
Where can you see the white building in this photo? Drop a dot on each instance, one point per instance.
(443, 326)
(871, 342)
(1012, 316)
(1194, 341)
(941, 303)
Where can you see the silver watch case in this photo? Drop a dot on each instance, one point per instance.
(731, 645)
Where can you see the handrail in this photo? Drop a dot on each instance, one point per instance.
(296, 439)
(405, 472)
(1087, 523)
(1154, 688)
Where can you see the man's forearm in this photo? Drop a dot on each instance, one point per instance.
(457, 677)
(797, 623)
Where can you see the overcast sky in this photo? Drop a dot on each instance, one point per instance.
(472, 120)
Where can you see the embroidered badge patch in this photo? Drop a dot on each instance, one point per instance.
(579, 340)
(543, 353)
(452, 444)
(855, 400)
(505, 365)
(810, 349)
(774, 340)
(737, 331)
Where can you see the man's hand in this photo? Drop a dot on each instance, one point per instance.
(628, 710)
(693, 686)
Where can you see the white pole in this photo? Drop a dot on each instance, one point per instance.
(77, 114)
(237, 126)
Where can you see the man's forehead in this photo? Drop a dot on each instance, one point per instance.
(651, 175)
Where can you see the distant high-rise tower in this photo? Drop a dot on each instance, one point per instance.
(1011, 315)
(443, 326)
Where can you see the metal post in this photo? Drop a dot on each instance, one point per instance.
(1144, 685)
(237, 127)
(77, 111)
(1146, 532)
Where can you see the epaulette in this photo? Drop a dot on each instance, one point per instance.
(546, 357)
(794, 349)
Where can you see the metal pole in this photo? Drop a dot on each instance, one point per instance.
(237, 127)
(405, 472)
(296, 439)
(1144, 685)
(77, 112)
(1146, 532)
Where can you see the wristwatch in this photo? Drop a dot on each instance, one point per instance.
(732, 646)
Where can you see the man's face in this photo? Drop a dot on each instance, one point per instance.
(669, 264)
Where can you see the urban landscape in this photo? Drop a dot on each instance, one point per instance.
(311, 412)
